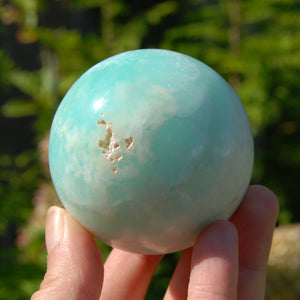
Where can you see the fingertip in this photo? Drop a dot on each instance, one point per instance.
(220, 233)
(219, 227)
(55, 223)
(265, 192)
(74, 265)
(214, 265)
(263, 200)
(128, 275)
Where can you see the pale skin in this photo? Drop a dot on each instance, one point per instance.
(227, 262)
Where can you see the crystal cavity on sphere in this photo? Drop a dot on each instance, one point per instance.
(148, 147)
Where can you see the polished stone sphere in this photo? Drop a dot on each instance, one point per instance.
(148, 147)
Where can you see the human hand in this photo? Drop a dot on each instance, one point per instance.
(227, 262)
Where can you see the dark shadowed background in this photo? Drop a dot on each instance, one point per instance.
(47, 44)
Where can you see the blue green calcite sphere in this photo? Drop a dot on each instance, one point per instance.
(148, 147)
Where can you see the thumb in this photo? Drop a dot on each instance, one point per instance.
(74, 265)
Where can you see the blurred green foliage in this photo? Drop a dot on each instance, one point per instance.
(47, 44)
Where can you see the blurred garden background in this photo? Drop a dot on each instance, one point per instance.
(47, 44)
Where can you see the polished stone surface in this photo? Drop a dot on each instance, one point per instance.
(148, 147)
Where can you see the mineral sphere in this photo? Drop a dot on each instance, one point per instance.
(148, 147)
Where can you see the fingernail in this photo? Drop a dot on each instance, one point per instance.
(55, 224)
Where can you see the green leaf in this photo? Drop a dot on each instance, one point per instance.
(18, 109)
(26, 82)
(161, 10)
